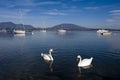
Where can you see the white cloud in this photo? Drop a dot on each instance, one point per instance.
(110, 20)
(55, 13)
(114, 17)
(14, 3)
(115, 11)
(32, 3)
(115, 14)
(14, 13)
(25, 11)
(76, 0)
(91, 8)
(9, 16)
(47, 3)
(61, 12)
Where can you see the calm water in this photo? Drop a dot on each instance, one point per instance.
(20, 56)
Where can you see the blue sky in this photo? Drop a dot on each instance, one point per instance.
(39, 13)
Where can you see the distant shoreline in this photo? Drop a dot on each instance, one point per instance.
(65, 26)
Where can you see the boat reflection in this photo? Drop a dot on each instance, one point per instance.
(19, 35)
(61, 33)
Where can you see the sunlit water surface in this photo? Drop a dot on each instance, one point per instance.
(20, 57)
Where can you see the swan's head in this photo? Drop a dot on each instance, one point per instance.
(91, 58)
(51, 50)
(78, 57)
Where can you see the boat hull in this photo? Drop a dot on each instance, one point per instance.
(19, 31)
(61, 31)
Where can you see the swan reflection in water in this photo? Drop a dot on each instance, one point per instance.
(80, 69)
(50, 65)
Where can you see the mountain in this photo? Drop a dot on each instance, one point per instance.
(6, 25)
(11, 25)
(68, 27)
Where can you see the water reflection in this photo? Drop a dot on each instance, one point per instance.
(68, 34)
(19, 35)
(29, 33)
(80, 69)
(61, 33)
(50, 65)
(20, 57)
(5, 35)
(85, 67)
(8, 36)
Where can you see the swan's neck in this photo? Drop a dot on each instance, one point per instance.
(51, 55)
(80, 59)
(50, 52)
(91, 58)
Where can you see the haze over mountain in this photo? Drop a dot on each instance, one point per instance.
(66, 26)
(11, 25)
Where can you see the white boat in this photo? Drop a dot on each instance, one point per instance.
(43, 28)
(102, 31)
(106, 33)
(19, 31)
(62, 30)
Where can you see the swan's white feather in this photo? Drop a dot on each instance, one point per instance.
(85, 62)
(47, 57)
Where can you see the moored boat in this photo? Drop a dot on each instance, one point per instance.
(61, 30)
(19, 31)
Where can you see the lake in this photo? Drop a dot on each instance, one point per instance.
(20, 56)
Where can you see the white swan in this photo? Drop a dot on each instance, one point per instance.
(48, 57)
(84, 62)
